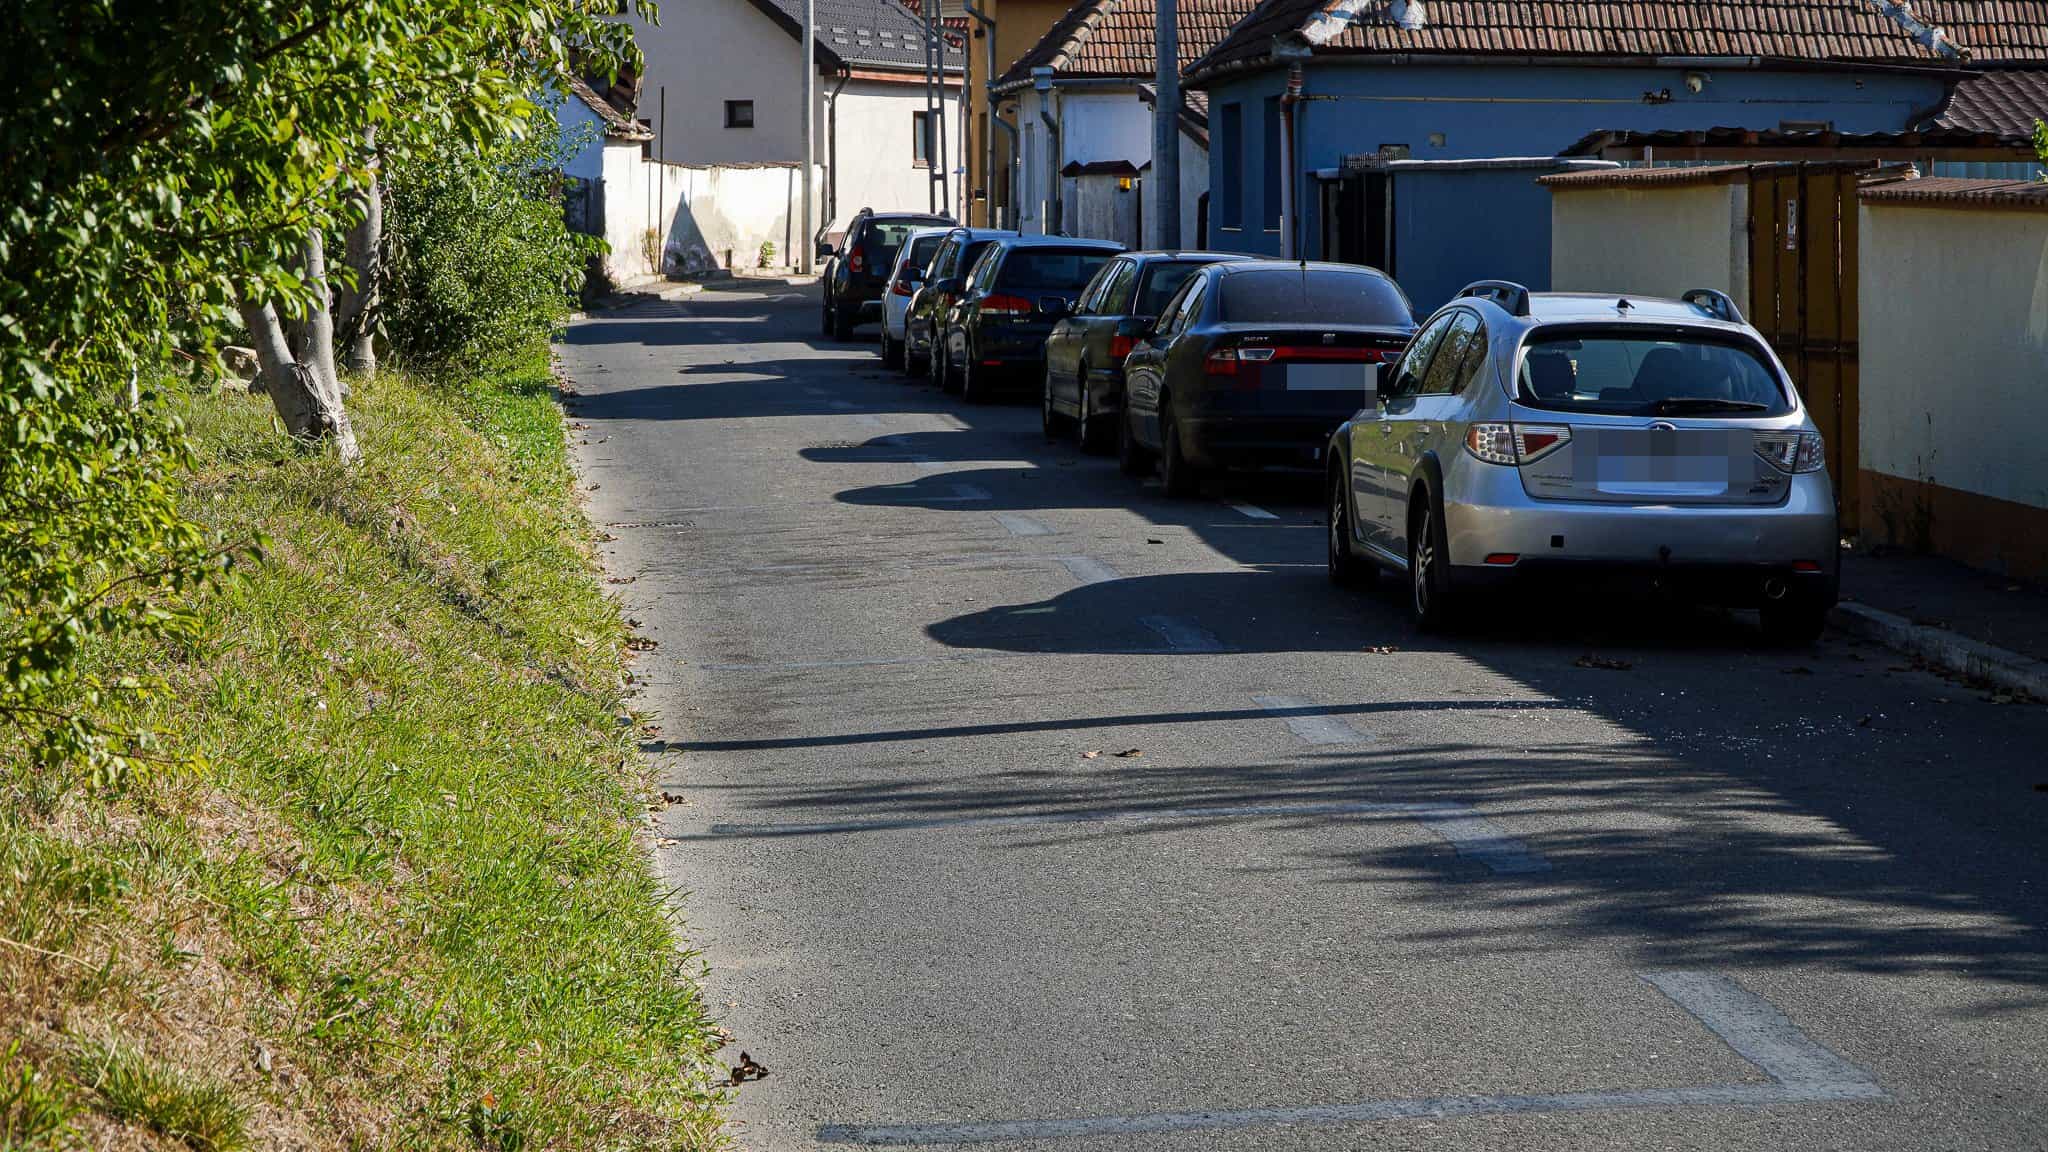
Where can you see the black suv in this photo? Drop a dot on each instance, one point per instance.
(856, 273)
(1007, 305)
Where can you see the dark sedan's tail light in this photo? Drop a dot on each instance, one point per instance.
(903, 288)
(1120, 347)
(1005, 305)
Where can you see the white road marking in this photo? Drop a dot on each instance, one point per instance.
(1089, 570)
(1801, 1072)
(1181, 635)
(868, 420)
(1475, 836)
(1251, 510)
(1019, 524)
(1299, 713)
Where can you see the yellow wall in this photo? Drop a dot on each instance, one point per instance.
(1019, 25)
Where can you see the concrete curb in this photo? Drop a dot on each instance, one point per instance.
(1945, 649)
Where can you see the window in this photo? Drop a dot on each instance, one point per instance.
(1117, 301)
(1408, 373)
(1637, 373)
(921, 139)
(1032, 269)
(739, 113)
(1098, 289)
(1270, 164)
(1448, 372)
(1230, 129)
(984, 266)
(1161, 282)
(1291, 295)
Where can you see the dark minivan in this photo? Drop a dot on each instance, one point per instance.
(1084, 356)
(856, 272)
(1251, 365)
(994, 336)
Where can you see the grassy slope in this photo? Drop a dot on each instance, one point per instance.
(399, 901)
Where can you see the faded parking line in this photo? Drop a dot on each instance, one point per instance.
(1801, 1071)
(1303, 720)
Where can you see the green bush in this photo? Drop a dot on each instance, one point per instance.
(482, 265)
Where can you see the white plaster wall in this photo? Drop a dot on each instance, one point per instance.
(579, 123)
(1095, 125)
(1954, 356)
(711, 51)
(702, 215)
(876, 166)
(1651, 241)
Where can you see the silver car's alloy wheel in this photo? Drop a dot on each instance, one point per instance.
(1422, 565)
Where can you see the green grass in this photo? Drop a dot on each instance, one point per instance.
(198, 1111)
(393, 846)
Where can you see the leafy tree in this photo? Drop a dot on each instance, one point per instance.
(169, 170)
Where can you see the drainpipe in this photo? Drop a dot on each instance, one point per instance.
(832, 149)
(1041, 80)
(1287, 212)
(988, 143)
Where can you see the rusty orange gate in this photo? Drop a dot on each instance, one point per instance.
(1802, 296)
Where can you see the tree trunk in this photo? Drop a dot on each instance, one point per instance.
(308, 400)
(356, 306)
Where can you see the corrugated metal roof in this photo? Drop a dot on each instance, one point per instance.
(1648, 177)
(2030, 195)
(1847, 31)
(1113, 38)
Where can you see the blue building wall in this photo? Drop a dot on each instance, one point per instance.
(1452, 227)
(1510, 110)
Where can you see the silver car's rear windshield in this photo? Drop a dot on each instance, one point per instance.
(1634, 372)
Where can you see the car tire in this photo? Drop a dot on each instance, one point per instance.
(973, 385)
(1430, 601)
(913, 364)
(1090, 430)
(1794, 622)
(1054, 423)
(892, 351)
(842, 324)
(1131, 457)
(1180, 478)
(1346, 569)
(825, 317)
(935, 365)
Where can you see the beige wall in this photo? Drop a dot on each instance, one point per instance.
(1955, 350)
(709, 52)
(1651, 241)
(876, 163)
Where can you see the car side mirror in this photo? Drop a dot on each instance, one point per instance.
(950, 286)
(1054, 307)
(826, 251)
(1376, 385)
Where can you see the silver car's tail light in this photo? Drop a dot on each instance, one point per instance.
(1793, 452)
(1515, 443)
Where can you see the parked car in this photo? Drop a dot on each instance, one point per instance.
(854, 272)
(993, 337)
(906, 276)
(1250, 365)
(1531, 435)
(1084, 355)
(955, 256)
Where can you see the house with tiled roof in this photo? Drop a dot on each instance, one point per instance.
(1085, 132)
(1385, 82)
(722, 88)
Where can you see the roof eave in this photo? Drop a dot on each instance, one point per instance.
(1292, 48)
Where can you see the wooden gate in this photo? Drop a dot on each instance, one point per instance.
(1802, 297)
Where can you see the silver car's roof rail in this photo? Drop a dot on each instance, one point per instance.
(1506, 293)
(1716, 304)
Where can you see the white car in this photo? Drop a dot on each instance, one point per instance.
(904, 280)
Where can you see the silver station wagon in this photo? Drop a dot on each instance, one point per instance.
(1588, 441)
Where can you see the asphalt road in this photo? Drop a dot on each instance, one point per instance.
(1353, 886)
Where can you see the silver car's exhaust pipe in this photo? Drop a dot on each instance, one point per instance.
(1774, 588)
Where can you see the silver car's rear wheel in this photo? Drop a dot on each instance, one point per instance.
(1345, 569)
(1429, 575)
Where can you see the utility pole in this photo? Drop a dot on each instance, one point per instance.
(1166, 125)
(809, 244)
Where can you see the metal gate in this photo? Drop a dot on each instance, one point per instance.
(1802, 297)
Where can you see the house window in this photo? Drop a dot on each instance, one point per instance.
(1230, 130)
(1270, 207)
(921, 139)
(739, 113)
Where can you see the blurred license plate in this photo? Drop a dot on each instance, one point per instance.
(1328, 377)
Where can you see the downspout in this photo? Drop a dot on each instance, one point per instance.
(832, 151)
(1041, 80)
(988, 142)
(1287, 210)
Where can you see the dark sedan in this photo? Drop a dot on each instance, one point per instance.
(856, 272)
(1084, 356)
(1252, 365)
(994, 336)
(928, 305)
